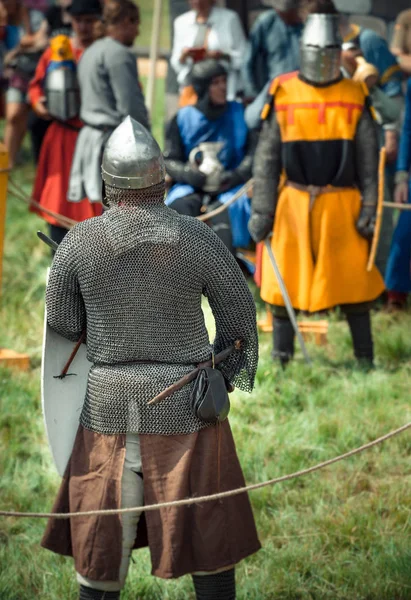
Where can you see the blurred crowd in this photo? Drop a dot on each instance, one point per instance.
(223, 80)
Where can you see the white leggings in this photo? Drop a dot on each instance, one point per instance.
(131, 495)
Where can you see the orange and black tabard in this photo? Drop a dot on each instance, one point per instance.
(320, 254)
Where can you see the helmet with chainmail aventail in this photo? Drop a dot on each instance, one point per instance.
(321, 49)
(132, 164)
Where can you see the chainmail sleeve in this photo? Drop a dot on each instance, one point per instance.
(366, 158)
(267, 172)
(267, 168)
(66, 313)
(233, 308)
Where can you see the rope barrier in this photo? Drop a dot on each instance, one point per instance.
(397, 206)
(209, 498)
(19, 193)
(224, 207)
(68, 223)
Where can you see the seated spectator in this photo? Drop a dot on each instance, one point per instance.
(208, 31)
(213, 119)
(52, 178)
(401, 41)
(274, 45)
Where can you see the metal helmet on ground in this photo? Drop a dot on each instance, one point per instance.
(132, 159)
(321, 49)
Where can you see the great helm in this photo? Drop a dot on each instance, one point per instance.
(321, 49)
(132, 159)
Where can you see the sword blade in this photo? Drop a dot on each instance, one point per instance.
(45, 238)
(287, 301)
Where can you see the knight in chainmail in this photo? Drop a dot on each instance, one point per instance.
(316, 189)
(133, 279)
(213, 121)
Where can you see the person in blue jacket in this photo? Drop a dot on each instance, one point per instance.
(375, 50)
(398, 274)
(274, 45)
(212, 119)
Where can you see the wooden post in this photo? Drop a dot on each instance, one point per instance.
(155, 38)
(4, 176)
(8, 358)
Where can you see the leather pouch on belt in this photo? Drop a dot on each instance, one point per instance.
(209, 397)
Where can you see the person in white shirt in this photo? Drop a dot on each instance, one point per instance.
(208, 31)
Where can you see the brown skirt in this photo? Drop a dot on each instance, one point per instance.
(182, 540)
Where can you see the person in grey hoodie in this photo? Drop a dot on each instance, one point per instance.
(110, 91)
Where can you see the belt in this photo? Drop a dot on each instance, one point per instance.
(67, 125)
(103, 128)
(316, 190)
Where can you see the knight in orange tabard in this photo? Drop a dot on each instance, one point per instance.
(51, 183)
(319, 139)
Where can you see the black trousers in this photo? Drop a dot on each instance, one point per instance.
(359, 321)
(198, 203)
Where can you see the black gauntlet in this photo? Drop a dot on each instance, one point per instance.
(366, 160)
(260, 226)
(366, 221)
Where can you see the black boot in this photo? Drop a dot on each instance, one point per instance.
(87, 593)
(360, 327)
(283, 337)
(220, 586)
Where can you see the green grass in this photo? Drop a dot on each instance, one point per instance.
(341, 533)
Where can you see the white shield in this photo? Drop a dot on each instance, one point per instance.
(62, 399)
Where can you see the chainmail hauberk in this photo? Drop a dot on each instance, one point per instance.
(138, 273)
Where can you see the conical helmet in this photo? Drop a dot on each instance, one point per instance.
(132, 159)
(321, 49)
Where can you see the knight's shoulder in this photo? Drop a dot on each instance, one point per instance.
(85, 229)
(187, 110)
(197, 231)
(356, 88)
(284, 80)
